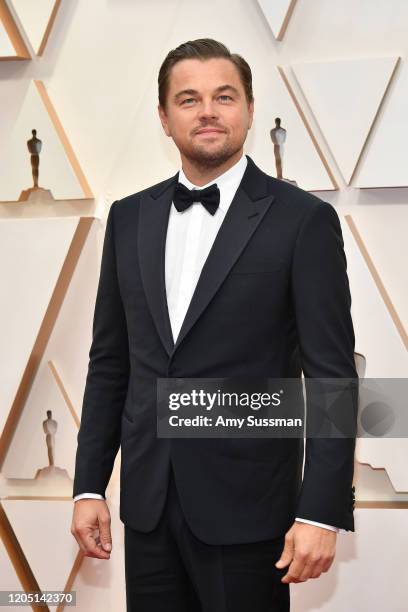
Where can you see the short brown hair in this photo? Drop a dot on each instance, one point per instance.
(203, 49)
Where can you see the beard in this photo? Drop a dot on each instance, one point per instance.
(204, 157)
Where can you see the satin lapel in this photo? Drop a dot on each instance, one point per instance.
(153, 221)
(241, 220)
(246, 211)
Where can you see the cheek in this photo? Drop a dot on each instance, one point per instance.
(238, 128)
(184, 126)
(179, 125)
(236, 121)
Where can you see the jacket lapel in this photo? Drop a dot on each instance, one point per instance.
(153, 220)
(250, 203)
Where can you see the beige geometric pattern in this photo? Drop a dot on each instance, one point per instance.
(52, 540)
(345, 98)
(378, 281)
(309, 130)
(385, 160)
(35, 271)
(14, 511)
(12, 45)
(36, 19)
(59, 168)
(277, 14)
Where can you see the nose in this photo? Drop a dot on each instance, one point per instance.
(207, 110)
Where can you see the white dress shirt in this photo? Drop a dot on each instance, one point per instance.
(190, 235)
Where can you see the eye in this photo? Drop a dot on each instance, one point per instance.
(225, 96)
(187, 100)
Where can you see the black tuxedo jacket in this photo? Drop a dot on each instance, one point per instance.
(272, 300)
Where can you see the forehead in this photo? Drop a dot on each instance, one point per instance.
(203, 74)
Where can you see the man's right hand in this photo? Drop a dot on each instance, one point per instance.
(91, 527)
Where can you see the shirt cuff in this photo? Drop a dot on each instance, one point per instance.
(88, 495)
(330, 527)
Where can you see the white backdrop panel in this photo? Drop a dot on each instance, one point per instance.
(32, 252)
(275, 12)
(55, 170)
(6, 48)
(344, 97)
(385, 160)
(34, 17)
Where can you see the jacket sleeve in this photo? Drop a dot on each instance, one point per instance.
(107, 378)
(322, 303)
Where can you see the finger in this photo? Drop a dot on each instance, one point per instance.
(92, 549)
(81, 546)
(105, 532)
(288, 578)
(99, 543)
(317, 571)
(287, 553)
(307, 572)
(327, 563)
(295, 570)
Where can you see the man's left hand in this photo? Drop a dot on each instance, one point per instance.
(309, 550)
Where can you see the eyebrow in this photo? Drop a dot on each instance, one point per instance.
(194, 92)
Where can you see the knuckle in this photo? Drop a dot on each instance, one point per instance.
(105, 519)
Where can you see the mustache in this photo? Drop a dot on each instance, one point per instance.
(207, 126)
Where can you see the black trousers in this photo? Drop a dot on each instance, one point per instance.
(170, 570)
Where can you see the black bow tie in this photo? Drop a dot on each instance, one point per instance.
(209, 197)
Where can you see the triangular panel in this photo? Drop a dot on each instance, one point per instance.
(40, 545)
(59, 170)
(37, 19)
(385, 163)
(12, 45)
(345, 97)
(8, 578)
(277, 14)
(31, 267)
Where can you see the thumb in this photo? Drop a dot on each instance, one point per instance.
(287, 553)
(105, 534)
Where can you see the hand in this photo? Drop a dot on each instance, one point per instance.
(90, 517)
(310, 550)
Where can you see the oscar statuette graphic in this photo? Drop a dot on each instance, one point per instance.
(34, 146)
(50, 427)
(50, 480)
(278, 137)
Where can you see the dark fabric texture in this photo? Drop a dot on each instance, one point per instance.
(170, 570)
(272, 300)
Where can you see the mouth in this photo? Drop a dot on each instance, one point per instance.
(206, 131)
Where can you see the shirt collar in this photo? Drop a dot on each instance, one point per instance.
(228, 182)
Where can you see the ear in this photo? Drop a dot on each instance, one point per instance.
(251, 113)
(163, 119)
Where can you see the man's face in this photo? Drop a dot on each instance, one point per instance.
(207, 113)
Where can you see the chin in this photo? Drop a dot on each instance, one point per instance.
(210, 154)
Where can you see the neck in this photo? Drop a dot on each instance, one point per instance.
(200, 174)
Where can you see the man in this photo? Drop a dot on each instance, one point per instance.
(245, 278)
